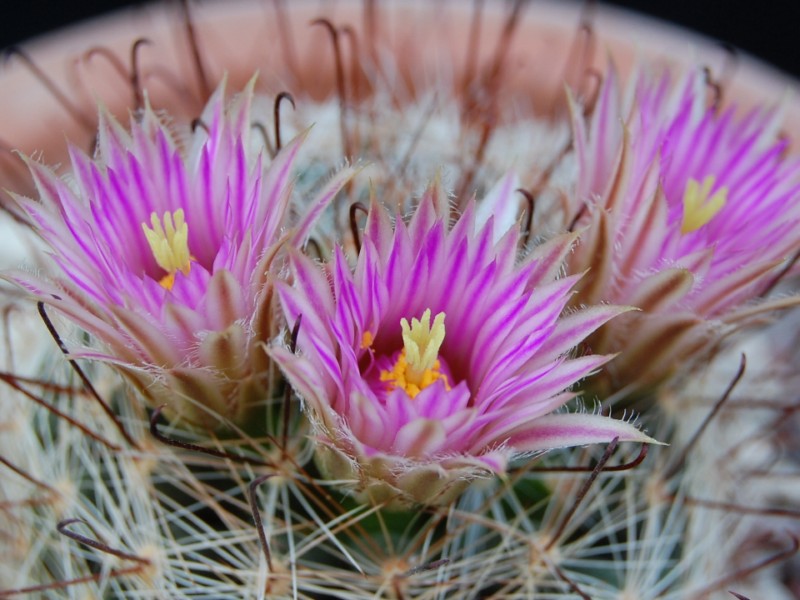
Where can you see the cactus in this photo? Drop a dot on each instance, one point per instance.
(444, 329)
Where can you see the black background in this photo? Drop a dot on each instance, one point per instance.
(767, 29)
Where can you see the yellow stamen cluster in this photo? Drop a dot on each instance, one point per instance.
(418, 364)
(169, 244)
(699, 207)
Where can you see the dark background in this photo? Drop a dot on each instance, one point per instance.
(768, 29)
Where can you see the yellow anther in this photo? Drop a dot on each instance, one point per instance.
(418, 365)
(366, 340)
(169, 244)
(699, 207)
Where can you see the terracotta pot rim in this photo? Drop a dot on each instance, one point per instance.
(32, 119)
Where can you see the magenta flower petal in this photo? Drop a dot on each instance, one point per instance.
(501, 204)
(420, 438)
(564, 430)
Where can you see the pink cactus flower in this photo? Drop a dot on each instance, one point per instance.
(166, 249)
(440, 357)
(693, 219)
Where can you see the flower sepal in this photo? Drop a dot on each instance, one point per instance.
(397, 484)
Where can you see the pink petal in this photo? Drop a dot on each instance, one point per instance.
(566, 430)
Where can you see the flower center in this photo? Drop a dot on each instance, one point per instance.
(418, 364)
(699, 207)
(170, 245)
